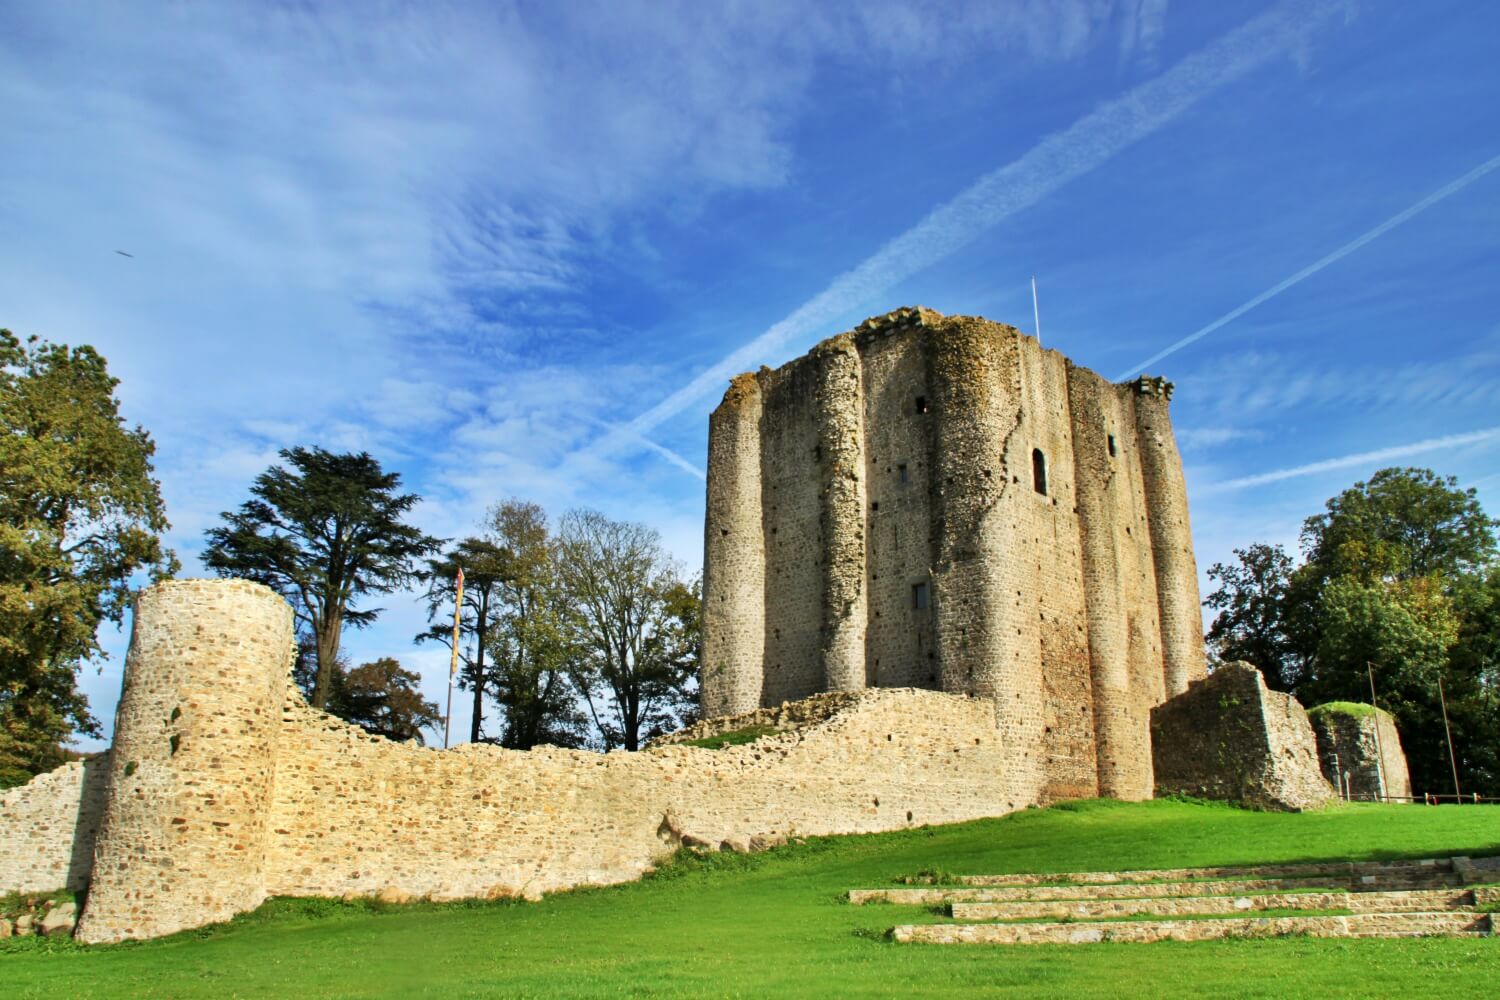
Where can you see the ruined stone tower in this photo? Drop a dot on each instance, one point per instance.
(938, 502)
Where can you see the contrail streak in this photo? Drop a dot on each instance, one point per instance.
(1059, 158)
(1379, 455)
(667, 453)
(1451, 188)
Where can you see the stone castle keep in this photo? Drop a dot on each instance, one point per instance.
(950, 571)
(938, 502)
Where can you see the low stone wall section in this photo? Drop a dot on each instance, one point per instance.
(355, 814)
(1229, 737)
(48, 825)
(1349, 743)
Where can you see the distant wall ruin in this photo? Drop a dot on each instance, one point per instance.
(1349, 744)
(1231, 738)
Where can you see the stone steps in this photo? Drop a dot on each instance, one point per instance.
(938, 895)
(1419, 901)
(1367, 925)
(1341, 869)
(1382, 899)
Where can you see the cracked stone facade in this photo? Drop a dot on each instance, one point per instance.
(938, 502)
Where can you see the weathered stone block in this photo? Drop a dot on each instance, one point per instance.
(1229, 737)
(1362, 743)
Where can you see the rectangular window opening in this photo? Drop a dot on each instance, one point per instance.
(921, 404)
(919, 596)
(1039, 471)
(1111, 446)
(901, 472)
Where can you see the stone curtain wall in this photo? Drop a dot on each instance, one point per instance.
(354, 813)
(225, 787)
(1229, 737)
(895, 538)
(47, 828)
(1349, 740)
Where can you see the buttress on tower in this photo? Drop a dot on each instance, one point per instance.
(938, 502)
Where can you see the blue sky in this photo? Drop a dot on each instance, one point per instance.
(516, 249)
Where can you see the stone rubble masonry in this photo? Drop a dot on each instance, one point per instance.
(787, 715)
(1408, 901)
(225, 787)
(937, 502)
(184, 841)
(1229, 737)
(49, 825)
(1139, 931)
(1348, 743)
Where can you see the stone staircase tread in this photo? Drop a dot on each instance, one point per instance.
(1420, 924)
(1150, 890)
(1287, 870)
(1446, 900)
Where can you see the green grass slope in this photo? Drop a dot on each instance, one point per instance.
(776, 924)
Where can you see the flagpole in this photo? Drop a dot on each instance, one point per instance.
(1036, 311)
(458, 603)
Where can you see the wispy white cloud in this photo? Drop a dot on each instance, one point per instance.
(1052, 163)
(1143, 24)
(1347, 461)
(1210, 437)
(1250, 386)
(345, 216)
(1446, 191)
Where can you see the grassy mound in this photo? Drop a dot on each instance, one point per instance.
(1353, 709)
(776, 924)
(733, 738)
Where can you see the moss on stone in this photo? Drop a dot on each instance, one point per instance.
(732, 738)
(1353, 709)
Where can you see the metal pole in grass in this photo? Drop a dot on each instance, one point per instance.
(1379, 750)
(1452, 760)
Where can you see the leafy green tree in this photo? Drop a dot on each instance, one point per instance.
(637, 659)
(1402, 524)
(385, 699)
(81, 519)
(380, 697)
(1251, 624)
(534, 634)
(1400, 573)
(323, 534)
(483, 564)
(1473, 680)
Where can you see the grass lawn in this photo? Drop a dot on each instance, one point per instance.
(775, 924)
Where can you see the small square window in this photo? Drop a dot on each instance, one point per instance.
(901, 473)
(921, 404)
(919, 596)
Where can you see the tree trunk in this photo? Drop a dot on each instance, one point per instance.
(478, 721)
(328, 654)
